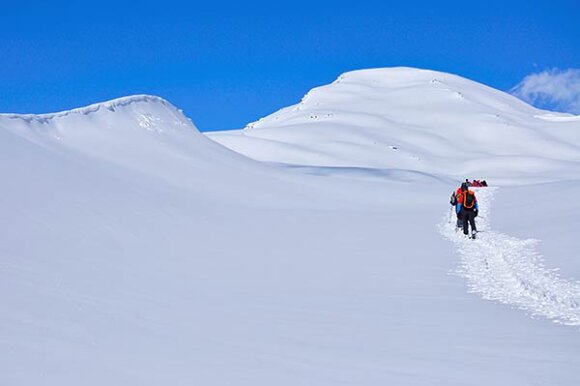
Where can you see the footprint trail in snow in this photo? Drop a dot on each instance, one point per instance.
(510, 270)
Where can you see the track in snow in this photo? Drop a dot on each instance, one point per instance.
(510, 270)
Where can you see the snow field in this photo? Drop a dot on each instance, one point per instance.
(136, 251)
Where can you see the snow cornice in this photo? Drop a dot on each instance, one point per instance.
(110, 105)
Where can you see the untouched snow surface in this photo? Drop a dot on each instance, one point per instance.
(135, 250)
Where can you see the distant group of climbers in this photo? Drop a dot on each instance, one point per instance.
(476, 183)
(466, 206)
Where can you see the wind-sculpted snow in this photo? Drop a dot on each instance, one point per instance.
(111, 105)
(510, 270)
(142, 132)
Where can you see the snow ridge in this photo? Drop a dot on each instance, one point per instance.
(510, 270)
(111, 105)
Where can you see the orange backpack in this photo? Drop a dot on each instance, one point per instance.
(468, 199)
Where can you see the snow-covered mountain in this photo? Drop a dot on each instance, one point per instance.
(144, 133)
(135, 250)
(405, 118)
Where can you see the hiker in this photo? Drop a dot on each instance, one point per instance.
(453, 201)
(467, 209)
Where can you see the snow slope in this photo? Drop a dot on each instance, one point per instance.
(134, 250)
(410, 119)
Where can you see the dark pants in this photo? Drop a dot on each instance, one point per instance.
(468, 217)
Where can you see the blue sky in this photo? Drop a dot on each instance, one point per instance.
(226, 65)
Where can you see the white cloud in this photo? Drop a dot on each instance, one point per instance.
(553, 89)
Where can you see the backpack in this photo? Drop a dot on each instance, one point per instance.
(453, 199)
(468, 200)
